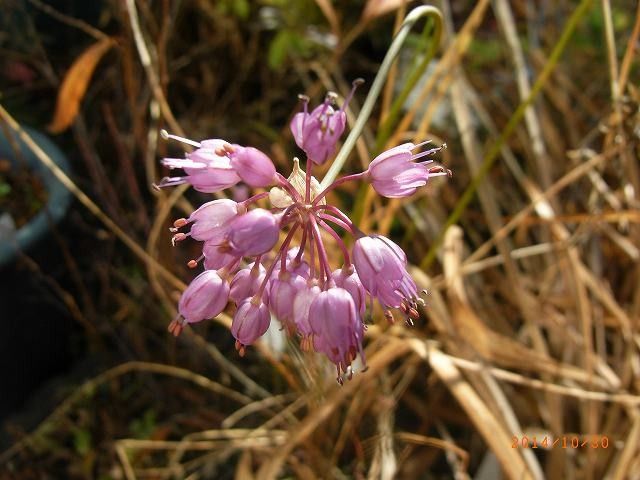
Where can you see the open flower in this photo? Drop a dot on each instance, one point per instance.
(317, 133)
(208, 168)
(395, 173)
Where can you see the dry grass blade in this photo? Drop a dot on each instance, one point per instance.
(489, 427)
(391, 351)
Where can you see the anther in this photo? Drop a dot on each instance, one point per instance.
(176, 326)
(192, 264)
(389, 316)
(181, 222)
(331, 97)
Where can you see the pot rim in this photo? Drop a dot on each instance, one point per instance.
(58, 197)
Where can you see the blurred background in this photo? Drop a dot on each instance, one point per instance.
(529, 253)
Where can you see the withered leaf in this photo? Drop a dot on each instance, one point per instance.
(74, 85)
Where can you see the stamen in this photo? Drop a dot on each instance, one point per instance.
(421, 144)
(170, 182)
(331, 98)
(178, 237)
(440, 171)
(431, 151)
(354, 85)
(168, 136)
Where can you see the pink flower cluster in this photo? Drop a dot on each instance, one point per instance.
(243, 263)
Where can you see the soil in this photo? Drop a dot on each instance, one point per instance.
(22, 194)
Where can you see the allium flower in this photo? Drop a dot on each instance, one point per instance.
(253, 166)
(253, 233)
(210, 221)
(337, 327)
(246, 282)
(301, 304)
(317, 133)
(250, 322)
(205, 297)
(295, 281)
(349, 280)
(282, 291)
(208, 168)
(394, 173)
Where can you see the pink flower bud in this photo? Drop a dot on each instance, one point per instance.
(377, 260)
(216, 258)
(246, 283)
(350, 281)
(301, 305)
(250, 322)
(253, 166)
(282, 291)
(210, 221)
(205, 297)
(253, 233)
(337, 327)
(381, 266)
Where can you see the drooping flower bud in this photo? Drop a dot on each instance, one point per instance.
(205, 297)
(301, 304)
(282, 291)
(253, 166)
(349, 280)
(250, 322)
(246, 282)
(337, 327)
(253, 233)
(377, 261)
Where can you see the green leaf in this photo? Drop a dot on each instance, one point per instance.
(82, 441)
(279, 49)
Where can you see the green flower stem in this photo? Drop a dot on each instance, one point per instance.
(493, 152)
(378, 82)
(385, 130)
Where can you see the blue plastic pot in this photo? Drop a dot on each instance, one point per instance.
(58, 197)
